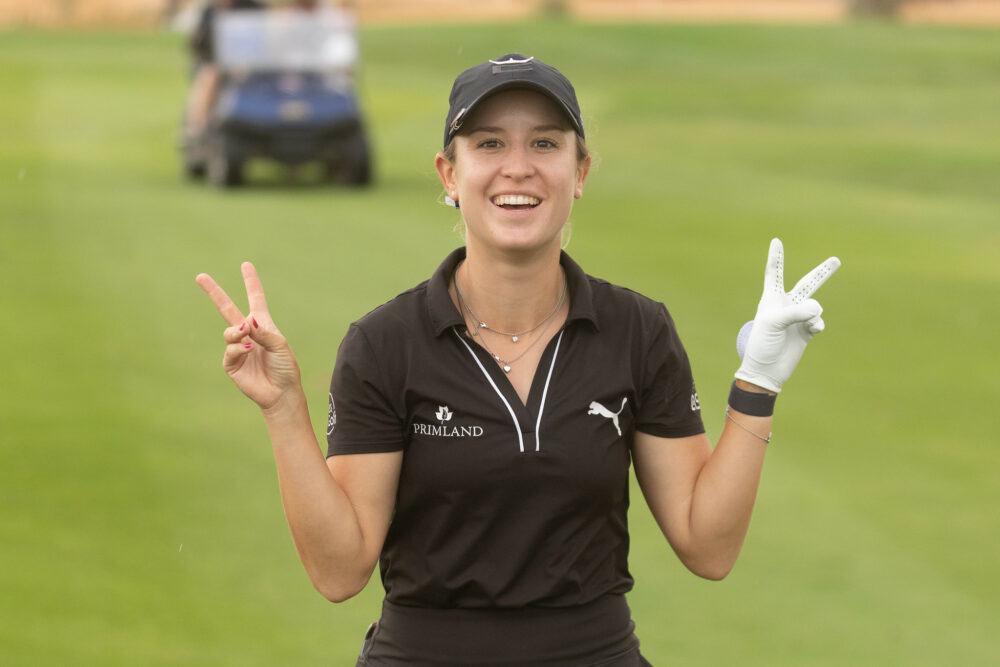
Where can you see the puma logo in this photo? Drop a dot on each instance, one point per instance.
(598, 409)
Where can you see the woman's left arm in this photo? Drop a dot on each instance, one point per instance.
(701, 497)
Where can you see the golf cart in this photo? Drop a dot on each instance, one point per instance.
(286, 93)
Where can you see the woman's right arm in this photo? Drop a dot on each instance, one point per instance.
(338, 510)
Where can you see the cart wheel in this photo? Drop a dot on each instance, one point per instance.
(195, 171)
(361, 161)
(224, 171)
(361, 174)
(223, 167)
(353, 167)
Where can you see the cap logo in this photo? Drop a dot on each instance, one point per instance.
(457, 121)
(511, 65)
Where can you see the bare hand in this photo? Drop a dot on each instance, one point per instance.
(257, 356)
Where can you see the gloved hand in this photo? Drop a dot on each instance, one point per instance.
(773, 342)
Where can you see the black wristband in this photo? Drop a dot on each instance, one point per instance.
(751, 403)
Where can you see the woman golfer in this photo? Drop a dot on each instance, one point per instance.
(482, 424)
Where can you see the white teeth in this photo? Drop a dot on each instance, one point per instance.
(515, 200)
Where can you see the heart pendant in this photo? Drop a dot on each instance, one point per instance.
(506, 369)
(514, 339)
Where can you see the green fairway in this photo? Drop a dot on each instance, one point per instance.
(140, 522)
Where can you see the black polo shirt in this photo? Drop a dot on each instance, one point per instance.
(502, 504)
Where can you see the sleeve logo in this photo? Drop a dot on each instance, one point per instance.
(331, 420)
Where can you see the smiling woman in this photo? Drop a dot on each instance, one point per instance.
(515, 172)
(483, 423)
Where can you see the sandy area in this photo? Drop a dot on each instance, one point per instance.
(150, 13)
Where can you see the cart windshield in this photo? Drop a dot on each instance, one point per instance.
(286, 39)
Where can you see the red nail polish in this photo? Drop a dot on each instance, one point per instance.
(242, 325)
(255, 325)
(248, 345)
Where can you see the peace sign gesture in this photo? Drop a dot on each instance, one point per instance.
(257, 356)
(772, 344)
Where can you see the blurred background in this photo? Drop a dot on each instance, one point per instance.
(140, 521)
(132, 13)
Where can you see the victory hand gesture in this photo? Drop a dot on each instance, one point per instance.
(257, 356)
(772, 344)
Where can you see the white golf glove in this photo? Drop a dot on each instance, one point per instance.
(773, 342)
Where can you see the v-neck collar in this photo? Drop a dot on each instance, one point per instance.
(528, 416)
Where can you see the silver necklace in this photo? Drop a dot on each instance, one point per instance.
(514, 335)
(505, 364)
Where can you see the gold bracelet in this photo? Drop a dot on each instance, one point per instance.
(766, 440)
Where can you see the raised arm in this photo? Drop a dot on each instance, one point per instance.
(702, 498)
(339, 513)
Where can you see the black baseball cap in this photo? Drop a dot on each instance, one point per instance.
(512, 70)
